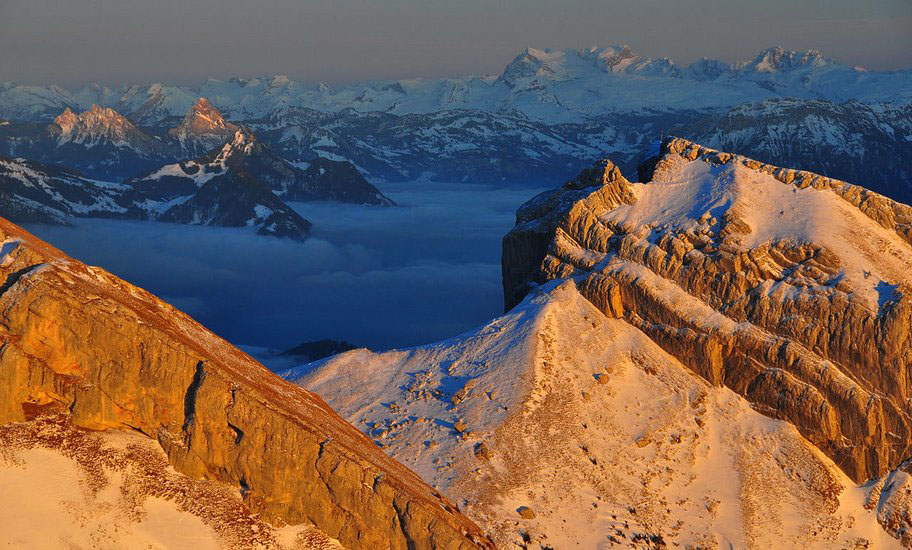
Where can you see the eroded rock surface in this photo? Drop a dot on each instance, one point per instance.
(790, 288)
(76, 338)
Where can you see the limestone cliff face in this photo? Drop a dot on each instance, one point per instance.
(790, 288)
(76, 338)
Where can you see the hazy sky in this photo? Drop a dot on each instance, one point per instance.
(184, 41)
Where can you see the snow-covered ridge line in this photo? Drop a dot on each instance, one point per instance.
(553, 85)
(556, 425)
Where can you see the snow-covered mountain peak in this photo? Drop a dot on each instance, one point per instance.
(749, 257)
(776, 59)
(203, 118)
(691, 186)
(559, 65)
(202, 129)
(279, 81)
(613, 58)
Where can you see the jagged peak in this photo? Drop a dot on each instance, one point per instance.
(204, 121)
(602, 172)
(776, 58)
(202, 104)
(204, 111)
(67, 117)
(94, 122)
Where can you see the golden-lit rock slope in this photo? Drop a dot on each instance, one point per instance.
(111, 356)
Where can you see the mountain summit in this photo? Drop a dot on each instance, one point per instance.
(202, 129)
(98, 124)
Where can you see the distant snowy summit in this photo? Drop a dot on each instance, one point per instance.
(551, 85)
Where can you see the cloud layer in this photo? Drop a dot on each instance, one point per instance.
(378, 277)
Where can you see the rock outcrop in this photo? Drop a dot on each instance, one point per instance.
(790, 288)
(111, 356)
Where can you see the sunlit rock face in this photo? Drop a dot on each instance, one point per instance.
(109, 356)
(202, 129)
(789, 288)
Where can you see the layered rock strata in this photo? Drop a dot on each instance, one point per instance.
(790, 288)
(76, 338)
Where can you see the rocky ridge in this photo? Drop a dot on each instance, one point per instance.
(790, 288)
(245, 156)
(45, 194)
(78, 341)
(99, 141)
(868, 145)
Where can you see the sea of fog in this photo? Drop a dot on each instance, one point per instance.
(378, 277)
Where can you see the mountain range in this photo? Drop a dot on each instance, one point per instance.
(240, 182)
(549, 85)
(549, 114)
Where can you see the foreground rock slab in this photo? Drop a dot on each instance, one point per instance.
(113, 357)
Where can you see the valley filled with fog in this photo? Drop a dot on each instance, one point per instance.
(378, 277)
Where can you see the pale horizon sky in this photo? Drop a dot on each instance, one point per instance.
(73, 42)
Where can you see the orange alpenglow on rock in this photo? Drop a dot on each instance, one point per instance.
(78, 342)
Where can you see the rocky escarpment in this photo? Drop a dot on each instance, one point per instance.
(112, 357)
(790, 288)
